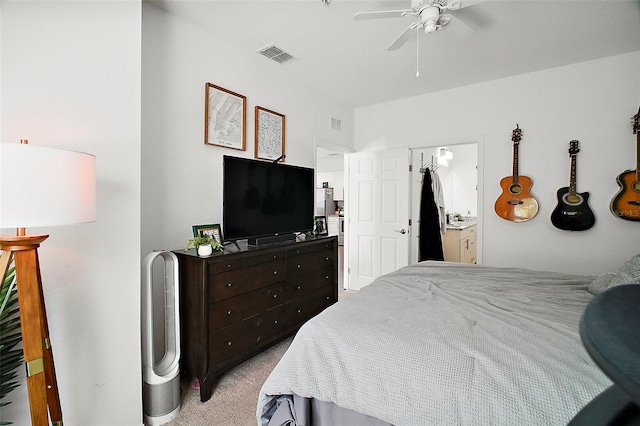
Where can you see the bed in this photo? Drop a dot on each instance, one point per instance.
(440, 343)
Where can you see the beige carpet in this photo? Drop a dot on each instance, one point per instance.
(235, 397)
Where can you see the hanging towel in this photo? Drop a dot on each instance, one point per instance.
(430, 245)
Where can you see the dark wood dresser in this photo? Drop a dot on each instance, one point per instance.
(235, 304)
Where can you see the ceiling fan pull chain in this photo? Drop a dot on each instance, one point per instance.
(417, 51)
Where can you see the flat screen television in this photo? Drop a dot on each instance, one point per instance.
(264, 201)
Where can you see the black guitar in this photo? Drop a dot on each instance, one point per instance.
(572, 212)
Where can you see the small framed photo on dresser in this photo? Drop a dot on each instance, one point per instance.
(320, 225)
(214, 230)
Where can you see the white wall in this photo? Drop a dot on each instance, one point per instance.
(582, 101)
(71, 79)
(330, 164)
(181, 176)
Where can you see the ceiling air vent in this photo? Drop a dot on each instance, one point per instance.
(275, 53)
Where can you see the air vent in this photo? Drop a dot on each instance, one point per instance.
(275, 53)
(336, 123)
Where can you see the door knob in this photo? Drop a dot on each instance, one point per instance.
(402, 231)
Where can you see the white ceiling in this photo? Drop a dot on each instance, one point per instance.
(348, 60)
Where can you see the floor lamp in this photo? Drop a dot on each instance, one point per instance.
(39, 187)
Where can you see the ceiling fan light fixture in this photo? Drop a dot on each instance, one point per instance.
(430, 27)
(431, 13)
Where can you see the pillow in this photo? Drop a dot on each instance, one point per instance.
(601, 283)
(628, 273)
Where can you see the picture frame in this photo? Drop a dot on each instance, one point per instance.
(225, 118)
(320, 225)
(269, 134)
(214, 230)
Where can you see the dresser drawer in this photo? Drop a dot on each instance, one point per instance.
(233, 263)
(301, 285)
(310, 248)
(310, 262)
(233, 283)
(237, 338)
(238, 308)
(311, 304)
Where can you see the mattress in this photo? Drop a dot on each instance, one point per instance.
(444, 344)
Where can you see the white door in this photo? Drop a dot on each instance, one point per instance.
(378, 214)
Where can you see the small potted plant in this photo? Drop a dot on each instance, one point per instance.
(204, 244)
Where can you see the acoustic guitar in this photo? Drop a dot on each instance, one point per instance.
(572, 212)
(626, 203)
(516, 202)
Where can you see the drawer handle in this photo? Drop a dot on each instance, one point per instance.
(299, 265)
(327, 297)
(275, 272)
(228, 312)
(326, 277)
(229, 343)
(228, 265)
(275, 295)
(299, 310)
(275, 322)
(229, 285)
(327, 259)
(298, 287)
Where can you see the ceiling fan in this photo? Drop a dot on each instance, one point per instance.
(430, 18)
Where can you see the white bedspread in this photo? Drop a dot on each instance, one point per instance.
(439, 343)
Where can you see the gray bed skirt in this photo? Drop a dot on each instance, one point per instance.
(294, 410)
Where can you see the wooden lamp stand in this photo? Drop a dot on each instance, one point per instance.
(42, 385)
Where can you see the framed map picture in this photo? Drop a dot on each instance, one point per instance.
(225, 120)
(269, 135)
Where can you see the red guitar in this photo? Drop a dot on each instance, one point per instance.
(626, 203)
(516, 202)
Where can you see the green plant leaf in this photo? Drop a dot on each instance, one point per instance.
(10, 337)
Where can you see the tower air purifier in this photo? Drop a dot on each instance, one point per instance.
(160, 329)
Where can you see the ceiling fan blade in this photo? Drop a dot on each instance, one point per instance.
(382, 14)
(403, 37)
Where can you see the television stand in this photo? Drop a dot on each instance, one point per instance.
(271, 239)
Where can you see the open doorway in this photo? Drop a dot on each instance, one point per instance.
(458, 165)
(330, 173)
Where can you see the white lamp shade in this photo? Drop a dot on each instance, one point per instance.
(41, 186)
